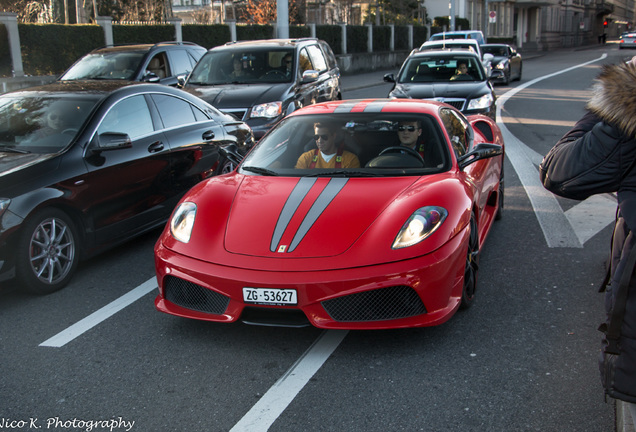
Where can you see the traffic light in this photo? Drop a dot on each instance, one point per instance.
(605, 23)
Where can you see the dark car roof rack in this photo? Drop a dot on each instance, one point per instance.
(291, 40)
(150, 45)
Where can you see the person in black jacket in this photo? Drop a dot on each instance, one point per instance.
(598, 155)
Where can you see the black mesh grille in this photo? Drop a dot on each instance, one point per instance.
(192, 296)
(381, 304)
(456, 103)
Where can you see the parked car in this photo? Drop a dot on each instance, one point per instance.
(392, 242)
(506, 59)
(433, 75)
(460, 34)
(264, 88)
(85, 165)
(627, 40)
(162, 63)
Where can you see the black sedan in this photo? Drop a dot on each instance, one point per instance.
(505, 59)
(88, 165)
(456, 77)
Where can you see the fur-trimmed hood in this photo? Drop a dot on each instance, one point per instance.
(614, 96)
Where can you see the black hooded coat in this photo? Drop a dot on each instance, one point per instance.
(598, 155)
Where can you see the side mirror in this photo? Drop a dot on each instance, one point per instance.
(181, 80)
(390, 78)
(310, 76)
(479, 152)
(150, 77)
(110, 141)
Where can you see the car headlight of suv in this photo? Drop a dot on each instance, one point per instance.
(267, 110)
(422, 223)
(182, 221)
(482, 102)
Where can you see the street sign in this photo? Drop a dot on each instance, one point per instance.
(492, 16)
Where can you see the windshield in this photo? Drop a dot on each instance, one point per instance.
(41, 124)
(450, 69)
(501, 51)
(107, 66)
(351, 145)
(244, 67)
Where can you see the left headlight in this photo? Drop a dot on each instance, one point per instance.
(422, 223)
(268, 110)
(481, 103)
(182, 221)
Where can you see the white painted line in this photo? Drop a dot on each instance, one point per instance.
(557, 228)
(280, 395)
(100, 315)
(592, 215)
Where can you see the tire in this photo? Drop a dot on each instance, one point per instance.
(471, 268)
(520, 70)
(47, 252)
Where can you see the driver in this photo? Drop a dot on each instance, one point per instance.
(327, 154)
(462, 71)
(409, 133)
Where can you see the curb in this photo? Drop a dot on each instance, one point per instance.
(624, 421)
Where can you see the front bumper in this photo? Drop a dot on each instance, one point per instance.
(422, 291)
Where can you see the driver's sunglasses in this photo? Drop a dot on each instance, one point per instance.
(407, 128)
(323, 137)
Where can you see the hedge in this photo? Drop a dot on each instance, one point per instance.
(49, 49)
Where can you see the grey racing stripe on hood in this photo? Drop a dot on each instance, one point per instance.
(333, 188)
(293, 201)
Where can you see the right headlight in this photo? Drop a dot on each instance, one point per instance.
(422, 223)
(182, 221)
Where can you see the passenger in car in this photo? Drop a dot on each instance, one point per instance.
(327, 153)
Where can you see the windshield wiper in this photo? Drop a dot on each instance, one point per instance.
(259, 170)
(343, 173)
(13, 150)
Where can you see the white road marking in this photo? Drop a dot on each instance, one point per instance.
(80, 327)
(282, 393)
(560, 229)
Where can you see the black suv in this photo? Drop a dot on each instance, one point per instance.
(262, 81)
(164, 63)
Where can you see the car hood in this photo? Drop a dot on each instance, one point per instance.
(306, 217)
(240, 95)
(11, 162)
(442, 91)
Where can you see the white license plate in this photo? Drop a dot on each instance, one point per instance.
(270, 296)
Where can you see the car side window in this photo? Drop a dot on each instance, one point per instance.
(176, 112)
(130, 116)
(304, 61)
(456, 129)
(180, 61)
(317, 58)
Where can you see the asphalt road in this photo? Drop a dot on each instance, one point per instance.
(523, 358)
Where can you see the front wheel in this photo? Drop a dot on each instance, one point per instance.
(471, 267)
(48, 252)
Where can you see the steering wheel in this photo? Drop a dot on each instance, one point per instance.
(275, 72)
(71, 131)
(404, 150)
